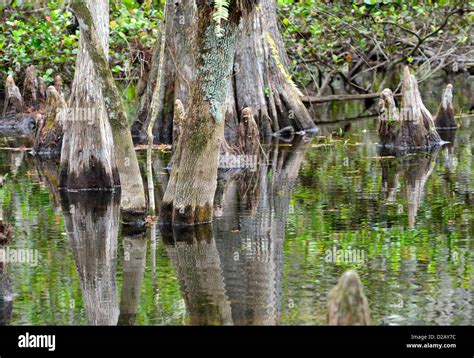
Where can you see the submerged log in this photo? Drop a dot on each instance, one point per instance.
(410, 128)
(13, 98)
(445, 117)
(340, 97)
(347, 303)
(49, 135)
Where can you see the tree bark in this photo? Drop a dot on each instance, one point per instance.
(13, 98)
(31, 88)
(87, 156)
(178, 71)
(133, 195)
(260, 79)
(190, 193)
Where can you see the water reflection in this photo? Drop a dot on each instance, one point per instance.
(92, 222)
(6, 295)
(414, 170)
(135, 245)
(264, 260)
(231, 274)
(195, 258)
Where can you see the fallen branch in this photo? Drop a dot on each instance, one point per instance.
(340, 97)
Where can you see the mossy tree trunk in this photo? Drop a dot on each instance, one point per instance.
(260, 77)
(190, 193)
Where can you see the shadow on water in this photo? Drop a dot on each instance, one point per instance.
(92, 226)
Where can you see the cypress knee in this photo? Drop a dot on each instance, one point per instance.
(410, 128)
(445, 117)
(347, 303)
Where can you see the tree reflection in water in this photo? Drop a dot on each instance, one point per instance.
(231, 274)
(92, 222)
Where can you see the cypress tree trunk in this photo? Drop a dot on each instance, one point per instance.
(260, 80)
(133, 195)
(190, 193)
(177, 72)
(87, 156)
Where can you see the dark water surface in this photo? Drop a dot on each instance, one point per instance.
(282, 236)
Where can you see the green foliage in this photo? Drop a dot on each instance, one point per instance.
(49, 40)
(42, 40)
(322, 36)
(221, 14)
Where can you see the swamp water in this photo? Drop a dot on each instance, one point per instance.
(282, 236)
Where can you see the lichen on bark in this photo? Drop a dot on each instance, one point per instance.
(217, 61)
